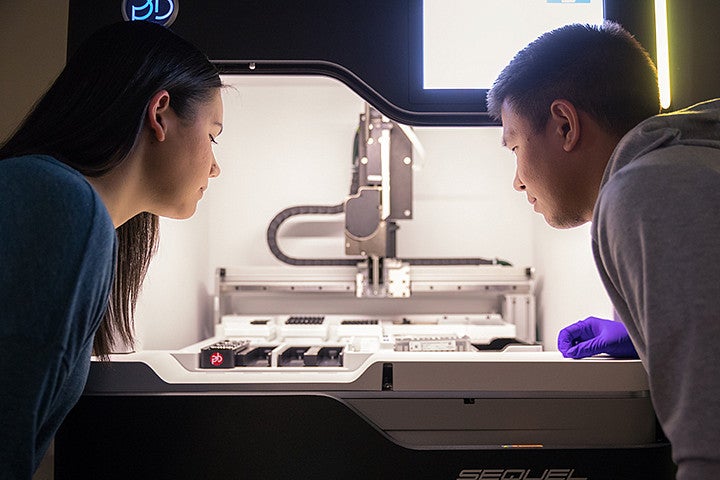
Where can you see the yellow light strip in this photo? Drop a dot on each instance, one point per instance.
(663, 52)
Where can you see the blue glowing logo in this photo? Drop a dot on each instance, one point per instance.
(156, 11)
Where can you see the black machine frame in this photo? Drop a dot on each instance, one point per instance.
(372, 46)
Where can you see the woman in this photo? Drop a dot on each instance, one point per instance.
(123, 135)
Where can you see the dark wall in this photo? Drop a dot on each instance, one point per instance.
(694, 33)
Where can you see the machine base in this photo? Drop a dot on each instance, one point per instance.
(273, 436)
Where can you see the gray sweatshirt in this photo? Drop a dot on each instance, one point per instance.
(656, 242)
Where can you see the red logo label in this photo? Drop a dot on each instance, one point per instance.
(216, 359)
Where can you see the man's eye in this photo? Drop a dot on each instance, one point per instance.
(212, 139)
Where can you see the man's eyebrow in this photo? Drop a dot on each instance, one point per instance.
(507, 133)
(219, 125)
(503, 140)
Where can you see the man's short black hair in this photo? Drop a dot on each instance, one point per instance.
(602, 69)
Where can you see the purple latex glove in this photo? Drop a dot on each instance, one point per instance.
(593, 336)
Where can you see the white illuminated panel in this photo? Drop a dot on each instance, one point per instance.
(468, 42)
(663, 52)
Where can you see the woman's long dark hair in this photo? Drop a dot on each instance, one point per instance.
(90, 119)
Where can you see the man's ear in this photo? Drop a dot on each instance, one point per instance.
(566, 122)
(157, 114)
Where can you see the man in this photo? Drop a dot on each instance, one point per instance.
(578, 108)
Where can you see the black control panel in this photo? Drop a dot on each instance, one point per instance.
(240, 353)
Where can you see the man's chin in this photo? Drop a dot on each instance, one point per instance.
(565, 222)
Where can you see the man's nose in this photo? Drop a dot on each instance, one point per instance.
(214, 170)
(517, 183)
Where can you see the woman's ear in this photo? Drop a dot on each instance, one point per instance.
(157, 113)
(565, 117)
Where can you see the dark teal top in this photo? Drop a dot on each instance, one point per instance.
(57, 259)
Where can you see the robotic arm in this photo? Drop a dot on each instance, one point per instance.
(381, 194)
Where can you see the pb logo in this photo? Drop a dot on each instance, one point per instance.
(156, 11)
(216, 359)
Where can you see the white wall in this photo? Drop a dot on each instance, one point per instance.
(175, 305)
(288, 141)
(568, 287)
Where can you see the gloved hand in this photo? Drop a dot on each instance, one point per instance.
(595, 335)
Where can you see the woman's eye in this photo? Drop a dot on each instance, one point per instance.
(212, 139)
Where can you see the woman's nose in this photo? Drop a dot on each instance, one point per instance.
(517, 183)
